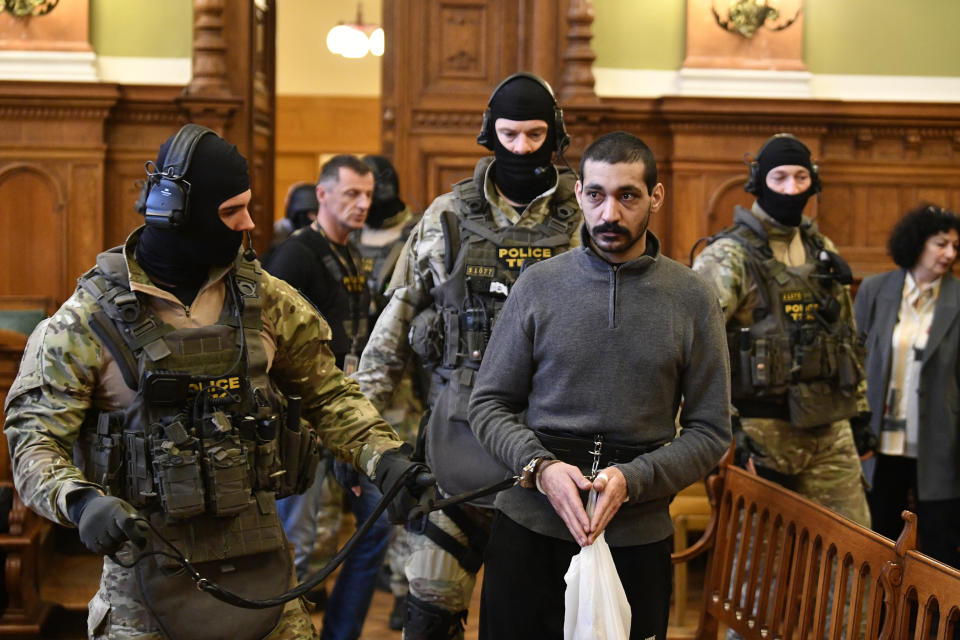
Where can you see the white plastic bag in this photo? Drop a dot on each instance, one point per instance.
(596, 604)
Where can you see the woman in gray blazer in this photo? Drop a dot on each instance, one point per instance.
(910, 318)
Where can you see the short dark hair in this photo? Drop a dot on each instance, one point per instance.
(620, 147)
(330, 171)
(910, 234)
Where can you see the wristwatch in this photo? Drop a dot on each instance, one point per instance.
(528, 476)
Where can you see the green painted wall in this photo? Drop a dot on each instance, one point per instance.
(870, 37)
(639, 34)
(142, 28)
(886, 37)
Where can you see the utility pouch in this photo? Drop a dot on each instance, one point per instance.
(289, 461)
(849, 367)
(808, 360)
(227, 477)
(815, 404)
(140, 487)
(245, 553)
(451, 342)
(178, 479)
(266, 462)
(310, 456)
(456, 457)
(760, 364)
(426, 336)
(105, 462)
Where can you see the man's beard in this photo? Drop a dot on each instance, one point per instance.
(613, 227)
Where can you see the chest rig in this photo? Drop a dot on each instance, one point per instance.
(483, 261)
(204, 433)
(378, 262)
(800, 359)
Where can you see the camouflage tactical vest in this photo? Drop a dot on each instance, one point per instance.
(799, 359)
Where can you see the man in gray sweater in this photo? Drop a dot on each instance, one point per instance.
(597, 349)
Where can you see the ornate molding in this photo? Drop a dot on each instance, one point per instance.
(578, 57)
(209, 52)
(447, 119)
(42, 112)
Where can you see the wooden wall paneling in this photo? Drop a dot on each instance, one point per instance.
(311, 126)
(249, 31)
(52, 155)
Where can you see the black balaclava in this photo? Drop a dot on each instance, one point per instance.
(180, 259)
(386, 189)
(523, 177)
(785, 209)
(302, 202)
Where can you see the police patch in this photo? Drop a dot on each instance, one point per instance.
(798, 307)
(516, 257)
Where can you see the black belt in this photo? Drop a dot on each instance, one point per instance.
(579, 450)
(777, 410)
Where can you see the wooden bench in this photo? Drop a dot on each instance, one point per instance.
(781, 566)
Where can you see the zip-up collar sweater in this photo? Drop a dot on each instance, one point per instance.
(584, 347)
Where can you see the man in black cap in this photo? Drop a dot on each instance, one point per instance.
(796, 365)
(449, 285)
(194, 389)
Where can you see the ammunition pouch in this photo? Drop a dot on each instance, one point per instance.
(100, 452)
(299, 456)
(814, 404)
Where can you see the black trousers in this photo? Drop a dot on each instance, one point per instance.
(523, 587)
(938, 521)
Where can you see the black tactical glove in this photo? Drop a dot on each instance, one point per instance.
(346, 474)
(418, 492)
(106, 522)
(863, 436)
(744, 447)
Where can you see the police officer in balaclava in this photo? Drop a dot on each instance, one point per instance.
(523, 139)
(451, 281)
(786, 179)
(795, 362)
(179, 259)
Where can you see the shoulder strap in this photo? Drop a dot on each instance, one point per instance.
(321, 251)
(123, 324)
(382, 277)
(451, 238)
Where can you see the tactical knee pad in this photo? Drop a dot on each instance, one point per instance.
(425, 621)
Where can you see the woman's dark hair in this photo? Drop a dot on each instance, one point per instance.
(911, 232)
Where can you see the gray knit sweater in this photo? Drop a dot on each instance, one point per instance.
(584, 347)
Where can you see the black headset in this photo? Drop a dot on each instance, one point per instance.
(164, 198)
(487, 135)
(754, 181)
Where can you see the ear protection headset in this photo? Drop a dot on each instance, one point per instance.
(164, 198)
(754, 180)
(488, 135)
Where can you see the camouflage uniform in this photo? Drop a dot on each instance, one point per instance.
(67, 371)
(434, 575)
(822, 461)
